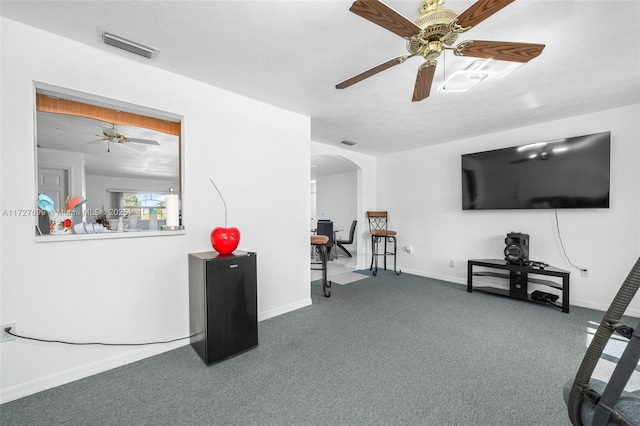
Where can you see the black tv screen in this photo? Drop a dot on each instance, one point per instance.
(569, 173)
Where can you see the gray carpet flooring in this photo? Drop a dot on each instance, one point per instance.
(383, 350)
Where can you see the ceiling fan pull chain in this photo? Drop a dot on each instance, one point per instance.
(444, 66)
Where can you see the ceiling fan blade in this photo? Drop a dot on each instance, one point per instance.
(97, 141)
(479, 11)
(144, 141)
(372, 71)
(500, 50)
(424, 81)
(133, 146)
(381, 14)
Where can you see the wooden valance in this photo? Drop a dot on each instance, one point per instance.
(64, 106)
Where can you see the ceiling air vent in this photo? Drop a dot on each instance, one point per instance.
(124, 43)
(347, 143)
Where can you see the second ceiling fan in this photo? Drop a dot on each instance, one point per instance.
(112, 135)
(434, 31)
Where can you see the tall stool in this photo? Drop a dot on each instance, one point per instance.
(378, 230)
(319, 243)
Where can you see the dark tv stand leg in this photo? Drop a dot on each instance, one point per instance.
(565, 293)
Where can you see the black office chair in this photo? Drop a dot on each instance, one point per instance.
(340, 243)
(325, 227)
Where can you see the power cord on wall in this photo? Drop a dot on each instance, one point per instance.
(555, 211)
(7, 330)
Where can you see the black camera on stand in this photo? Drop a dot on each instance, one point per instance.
(517, 249)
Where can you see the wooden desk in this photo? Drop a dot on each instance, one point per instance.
(519, 279)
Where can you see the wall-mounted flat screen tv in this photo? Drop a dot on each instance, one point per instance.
(570, 173)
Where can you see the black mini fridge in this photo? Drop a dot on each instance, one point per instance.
(223, 304)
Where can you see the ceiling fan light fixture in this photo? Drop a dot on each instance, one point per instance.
(495, 69)
(132, 46)
(461, 81)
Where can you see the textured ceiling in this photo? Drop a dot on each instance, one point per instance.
(292, 53)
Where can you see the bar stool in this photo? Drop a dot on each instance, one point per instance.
(378, 230)
(319, 242)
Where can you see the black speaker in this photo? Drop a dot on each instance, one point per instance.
(517, 249)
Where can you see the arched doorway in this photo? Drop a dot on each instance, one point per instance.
(334, 196)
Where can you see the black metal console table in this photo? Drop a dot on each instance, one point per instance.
(519, 278)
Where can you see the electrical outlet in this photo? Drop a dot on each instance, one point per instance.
(5, 337)
(451, 264)
(584, 272)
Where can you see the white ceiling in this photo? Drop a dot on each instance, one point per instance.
(292, 53)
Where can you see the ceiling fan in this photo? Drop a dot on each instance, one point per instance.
(436, 30)
(111, 135)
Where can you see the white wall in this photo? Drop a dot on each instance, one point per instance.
(337, 197)
(422, 191)
(366, 194)
(131, 290)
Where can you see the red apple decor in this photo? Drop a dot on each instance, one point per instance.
(224, 240)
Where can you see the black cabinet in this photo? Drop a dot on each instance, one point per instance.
(223, 305)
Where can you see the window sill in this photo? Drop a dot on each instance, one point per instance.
(104, 236)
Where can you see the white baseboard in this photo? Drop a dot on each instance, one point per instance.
(447, 278)
(71, 375)
(265, 315)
